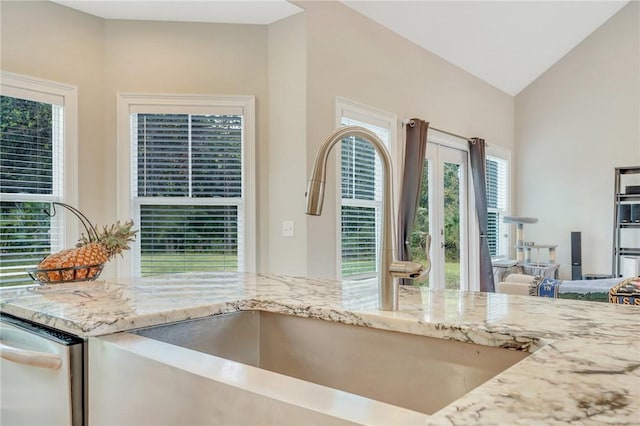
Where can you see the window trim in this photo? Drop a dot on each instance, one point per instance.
(136, 102)
(347, 108)
(52, 92)
(504, 154)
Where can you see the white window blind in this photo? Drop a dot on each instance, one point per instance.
(361, 200)
(188, 191)
(496, 180)
(31, 162)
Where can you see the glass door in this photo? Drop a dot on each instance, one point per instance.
(443, 214)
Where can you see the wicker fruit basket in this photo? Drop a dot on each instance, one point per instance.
(66, 275)
(85, 261)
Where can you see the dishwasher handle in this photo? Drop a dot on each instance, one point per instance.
(32, 358)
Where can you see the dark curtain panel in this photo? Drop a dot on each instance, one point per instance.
(414, 153)
(478, 173)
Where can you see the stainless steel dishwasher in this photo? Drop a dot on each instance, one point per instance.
(41, 375)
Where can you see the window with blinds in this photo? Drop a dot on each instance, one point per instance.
(361, 201)
(31, 154)
(496, 180)
(188, 192)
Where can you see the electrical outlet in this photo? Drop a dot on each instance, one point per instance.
(287, 228)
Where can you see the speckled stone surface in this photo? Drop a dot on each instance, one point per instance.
(584, 367)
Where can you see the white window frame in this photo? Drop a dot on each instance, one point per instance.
(129, 103)
(66, 167)
(504, 154)
(356, 111)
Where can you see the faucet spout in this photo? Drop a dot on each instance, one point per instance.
(388, 270)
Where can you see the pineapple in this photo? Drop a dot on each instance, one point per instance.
(50, 262)
(111, 241)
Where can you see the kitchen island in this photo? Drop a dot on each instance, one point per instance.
(584, 366)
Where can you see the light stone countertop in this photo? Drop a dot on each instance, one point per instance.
(584, 367)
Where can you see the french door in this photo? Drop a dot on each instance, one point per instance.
(444, 215)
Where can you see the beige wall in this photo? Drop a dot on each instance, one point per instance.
(287, 144)
(295, 68)
(104, 57)
(353, 57)
(189, 58)
(47, 41)
(574, 124)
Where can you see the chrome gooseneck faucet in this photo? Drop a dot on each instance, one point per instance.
(388, 268)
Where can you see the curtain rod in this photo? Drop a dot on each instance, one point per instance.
(411, 123)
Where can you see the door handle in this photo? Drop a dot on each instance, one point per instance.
(32, 358)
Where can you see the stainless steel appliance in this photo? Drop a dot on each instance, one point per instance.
(41, 375)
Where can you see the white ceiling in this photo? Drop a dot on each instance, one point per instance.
(508, 44)
(219, 11)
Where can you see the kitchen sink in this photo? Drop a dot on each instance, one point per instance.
(415, 372)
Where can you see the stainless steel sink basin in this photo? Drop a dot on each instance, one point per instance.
(415, 372)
